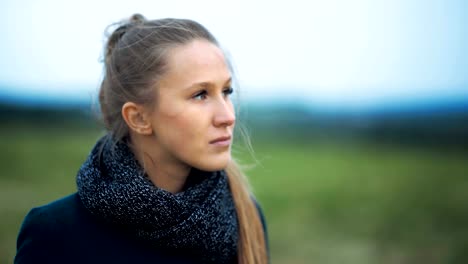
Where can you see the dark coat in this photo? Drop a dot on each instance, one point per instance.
(65, 232)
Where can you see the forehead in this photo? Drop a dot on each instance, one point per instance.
(197, 61)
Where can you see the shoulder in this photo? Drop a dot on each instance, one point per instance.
(264, 224)
(55, 215)
(45, 227)
(64, 231)
(260, 212)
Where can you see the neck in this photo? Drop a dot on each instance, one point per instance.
(165, 174)
(170, 177)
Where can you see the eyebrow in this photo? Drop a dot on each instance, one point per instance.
(207, 84)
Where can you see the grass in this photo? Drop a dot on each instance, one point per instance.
(325, 201)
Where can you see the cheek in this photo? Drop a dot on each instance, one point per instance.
(186, 131)
(183, 130)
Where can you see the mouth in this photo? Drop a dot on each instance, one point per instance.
(221, 141)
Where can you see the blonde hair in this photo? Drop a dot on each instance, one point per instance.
(135, 55)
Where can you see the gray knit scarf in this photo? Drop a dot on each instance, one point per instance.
(201, 220)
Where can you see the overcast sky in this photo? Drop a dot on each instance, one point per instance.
(327, 51)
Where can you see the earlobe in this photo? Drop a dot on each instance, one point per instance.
(136, 118)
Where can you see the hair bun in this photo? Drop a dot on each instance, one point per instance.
(137, 19)
(117, 34)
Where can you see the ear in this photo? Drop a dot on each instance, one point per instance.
(137, 118)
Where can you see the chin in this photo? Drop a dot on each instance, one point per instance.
(220, 162)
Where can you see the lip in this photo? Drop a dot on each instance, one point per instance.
(221, 141)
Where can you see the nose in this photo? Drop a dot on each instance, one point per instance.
(224, 115)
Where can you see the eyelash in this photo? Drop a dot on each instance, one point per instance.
(228, 91)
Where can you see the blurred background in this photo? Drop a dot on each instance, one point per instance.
(357, 110)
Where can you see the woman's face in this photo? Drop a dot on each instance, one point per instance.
(193, 117)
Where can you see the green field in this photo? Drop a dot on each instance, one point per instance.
(331, 201)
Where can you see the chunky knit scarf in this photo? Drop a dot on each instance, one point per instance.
(200, 220)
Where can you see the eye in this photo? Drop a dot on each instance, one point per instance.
(228, 91)
(200, 95)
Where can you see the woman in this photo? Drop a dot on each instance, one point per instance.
(161, 186)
